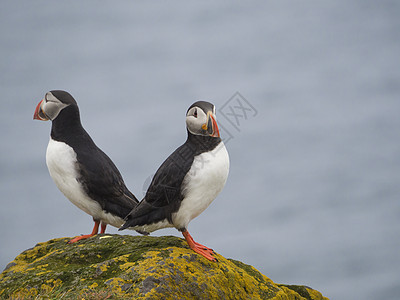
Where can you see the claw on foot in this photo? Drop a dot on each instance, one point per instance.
(199, 248)
(81, 237)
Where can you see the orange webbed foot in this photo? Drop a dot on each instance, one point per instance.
(199, 248)
(94, 232)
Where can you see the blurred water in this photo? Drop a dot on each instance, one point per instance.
(313, 193)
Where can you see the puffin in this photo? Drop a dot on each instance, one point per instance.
(187, 181)
(80, 170)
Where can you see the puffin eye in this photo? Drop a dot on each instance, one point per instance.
(195, 113)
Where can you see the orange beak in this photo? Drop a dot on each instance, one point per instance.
(211, 126)
(214, 126)
(39, 114)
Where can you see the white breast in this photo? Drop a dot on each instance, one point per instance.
(203, 183)
(62, 164)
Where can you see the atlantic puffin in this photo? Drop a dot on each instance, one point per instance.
(81, 171)
(187, 181)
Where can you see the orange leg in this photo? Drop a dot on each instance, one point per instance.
(198, 248)
(94, 232)
(103, 228)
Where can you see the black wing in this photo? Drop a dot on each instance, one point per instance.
(164, 194)
(103, 182)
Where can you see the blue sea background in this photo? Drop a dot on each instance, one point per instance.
(314, 187)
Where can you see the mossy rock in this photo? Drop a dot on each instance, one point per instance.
(138, 267)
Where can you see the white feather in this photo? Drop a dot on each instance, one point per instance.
(148, 228)
(62, 164)
(203, 183)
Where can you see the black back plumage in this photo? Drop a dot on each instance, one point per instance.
(99, 176)
(166, 190)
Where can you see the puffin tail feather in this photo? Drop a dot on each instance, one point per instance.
(125, 226)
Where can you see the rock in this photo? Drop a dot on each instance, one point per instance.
(139, 267)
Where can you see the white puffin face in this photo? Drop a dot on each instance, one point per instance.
(195, 118)
(199, 122)
(49, 108)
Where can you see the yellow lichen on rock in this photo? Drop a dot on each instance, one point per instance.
(315, 295)
(50, 285)
(159, 272)
(136, 267)
(93, 285)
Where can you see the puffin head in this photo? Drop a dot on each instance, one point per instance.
(201, 120)
(52, 104)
